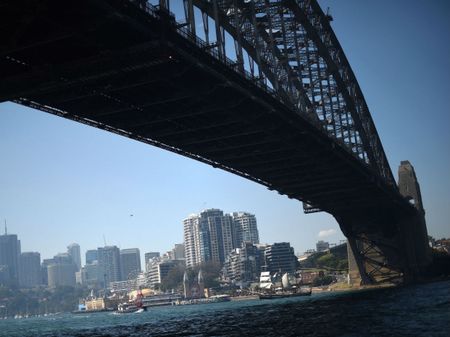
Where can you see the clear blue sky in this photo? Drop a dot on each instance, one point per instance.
(63, 182)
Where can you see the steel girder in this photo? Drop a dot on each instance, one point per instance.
(292, 50)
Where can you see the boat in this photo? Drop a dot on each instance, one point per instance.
(289, 289)
(136, 306)
(128, 308)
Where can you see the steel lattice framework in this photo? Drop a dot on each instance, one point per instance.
(291, 45)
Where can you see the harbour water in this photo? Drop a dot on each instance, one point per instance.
(421, 310)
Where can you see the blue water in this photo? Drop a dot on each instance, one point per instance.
(422, 310)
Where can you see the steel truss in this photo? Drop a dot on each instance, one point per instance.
(373, 265)
(288, 46)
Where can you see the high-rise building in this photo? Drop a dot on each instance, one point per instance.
(212, 235)
(109, 261)
(322, 246)
(61, 274)
(91, 256)
(9, 257)
(190, 231)
(280, 258)
(245, 228)
(44, 270)
(74, 251)
(92, 275)
(63, 258)
(130, 263)
(220, 228)
(30, 269)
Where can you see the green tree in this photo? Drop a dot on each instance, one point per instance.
(322, 281)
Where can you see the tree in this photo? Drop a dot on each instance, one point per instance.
(174, 279)
(322, 281)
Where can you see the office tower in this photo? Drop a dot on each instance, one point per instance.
(91, 256)
(245, 227)
(9, 257)
(61, 274)
(44, 270)
(74, 251)
(30, 269)
(109, 261)
(130, 263)
(208, 236)
(92, 275)
(280, 258)
(322, 246)
(63, 258)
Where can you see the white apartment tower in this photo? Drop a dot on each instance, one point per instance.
(189, 240)
(245, 228)
(212, 235)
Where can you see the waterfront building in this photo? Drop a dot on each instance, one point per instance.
(130, 263)
(61, 274)
(280, 258)
(91, 256)
(9, 257)
(243, 265)
(74, 251)
(30, 269)
(246, 229)
(109, 261)
(322, 246)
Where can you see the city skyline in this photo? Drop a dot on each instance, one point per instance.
(63, 182)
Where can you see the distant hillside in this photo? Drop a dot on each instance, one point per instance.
(335, 258)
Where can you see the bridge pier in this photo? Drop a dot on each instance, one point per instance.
(388, 245)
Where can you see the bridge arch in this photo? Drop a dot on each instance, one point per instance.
(294, 49)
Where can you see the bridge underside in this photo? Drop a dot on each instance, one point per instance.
(110, 65)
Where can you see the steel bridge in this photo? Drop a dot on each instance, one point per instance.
(261, 89)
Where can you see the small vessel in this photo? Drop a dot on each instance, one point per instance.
(127, 308)
(132, 307)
